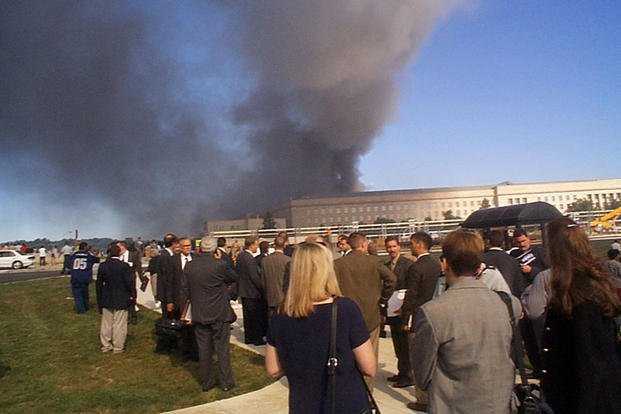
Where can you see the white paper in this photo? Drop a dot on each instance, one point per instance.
(188, 313)
(395, 302)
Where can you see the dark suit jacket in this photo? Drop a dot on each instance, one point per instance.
(165, 273)
(114, 286)
(227, 258)
(401, 270)
(540, 263)
(249, 285)
(173, 286)
(581, 368)
(365, 280)
(204, 282)
(509, 267)
(420, 284)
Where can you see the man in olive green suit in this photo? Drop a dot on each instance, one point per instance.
(365, 280)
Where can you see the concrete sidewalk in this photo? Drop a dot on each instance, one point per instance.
(274, 397)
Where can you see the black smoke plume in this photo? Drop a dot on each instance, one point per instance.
(172, 113)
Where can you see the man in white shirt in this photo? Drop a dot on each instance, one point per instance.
(66, 251)
(42, 254)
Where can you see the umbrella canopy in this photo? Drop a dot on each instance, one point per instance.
(516, 215)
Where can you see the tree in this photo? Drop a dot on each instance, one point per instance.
(448, 215)
(268, 220)
(484, 204)
(580, 204)
(611, 205)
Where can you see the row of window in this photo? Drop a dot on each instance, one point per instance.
(567, 197)
(335, 220)
(414, 207)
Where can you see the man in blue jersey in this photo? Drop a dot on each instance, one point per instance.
(81, 269)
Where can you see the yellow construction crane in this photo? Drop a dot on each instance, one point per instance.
(606, 221)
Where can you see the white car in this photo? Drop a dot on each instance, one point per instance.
(15, 260)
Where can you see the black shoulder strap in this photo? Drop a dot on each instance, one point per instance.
(516, 344)
(332, 358)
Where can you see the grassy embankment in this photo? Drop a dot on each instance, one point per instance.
(50, 360)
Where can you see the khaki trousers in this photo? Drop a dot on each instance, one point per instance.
(113, 330)
(374, 338)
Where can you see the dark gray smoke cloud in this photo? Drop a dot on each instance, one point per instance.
(145, 108)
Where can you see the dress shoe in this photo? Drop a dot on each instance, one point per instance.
(417, 406)
(403, 384)
(393, 378)
(208, 387)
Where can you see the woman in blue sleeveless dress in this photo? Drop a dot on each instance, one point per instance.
(299, 337)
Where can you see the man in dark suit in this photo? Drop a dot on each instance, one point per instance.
(134, 259)
(420, 284)
(221, 241)
(250, 289)
(273, 269)
(116, 292)
(288, 250)
(232, 288)
(506, 264)
(400, 266)
(204, 283)
(180, 261)
(165, 274)
(366, 281)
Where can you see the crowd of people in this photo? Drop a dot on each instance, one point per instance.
(450, 329)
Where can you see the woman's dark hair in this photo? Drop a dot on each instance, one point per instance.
(578, 275)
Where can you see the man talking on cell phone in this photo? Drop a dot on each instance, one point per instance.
(533, 259)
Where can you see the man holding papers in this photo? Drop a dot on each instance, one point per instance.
(400, 266)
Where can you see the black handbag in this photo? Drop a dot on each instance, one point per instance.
(333, 362)
(528, 396)
(169, 328)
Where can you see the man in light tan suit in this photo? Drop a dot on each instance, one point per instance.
(365, 280)
(273, 269)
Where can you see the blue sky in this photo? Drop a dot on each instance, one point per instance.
(521, 91)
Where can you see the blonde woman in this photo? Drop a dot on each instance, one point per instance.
(299, 336)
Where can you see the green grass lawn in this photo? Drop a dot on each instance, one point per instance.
(50, 360)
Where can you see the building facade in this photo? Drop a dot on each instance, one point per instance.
(433, 203)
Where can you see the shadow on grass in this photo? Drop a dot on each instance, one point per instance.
(50, 360)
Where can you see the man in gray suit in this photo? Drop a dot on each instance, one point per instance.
(272, 272)
(204, 282)
(463, 338)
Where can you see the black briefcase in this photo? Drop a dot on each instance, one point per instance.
(168, 328)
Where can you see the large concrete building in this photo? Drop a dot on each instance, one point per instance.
(431, 203)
